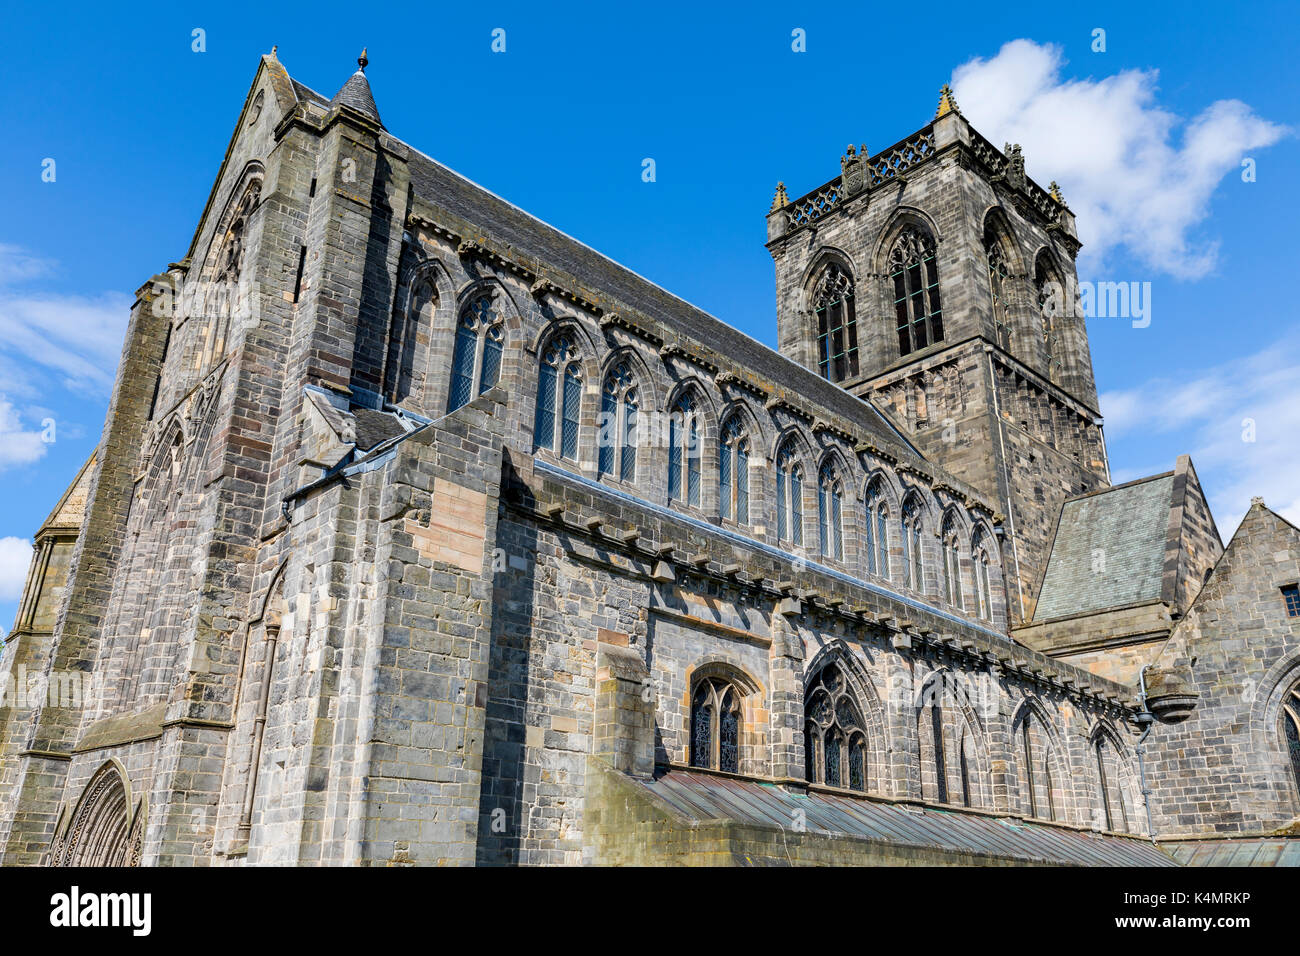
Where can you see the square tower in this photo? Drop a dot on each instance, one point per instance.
(937, 280)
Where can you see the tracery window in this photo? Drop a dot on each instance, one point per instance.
(715, 725)
(789, 497)
(1050, 293)
(684, 452)
(559, 399)
(835, 739)
(914, 271)
(1291, 729)
(830, 518)
(877, 531)
(952, 550)
(733, 471)
(225, 295)
(476, 359)
(837, 327)
(998, 287)
(913, 567)
(983, 592)
(618, 423)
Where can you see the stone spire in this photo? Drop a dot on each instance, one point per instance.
(780, 200)
(947, 104)
(356, 92)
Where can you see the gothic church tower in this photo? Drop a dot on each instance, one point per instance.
(937, 280)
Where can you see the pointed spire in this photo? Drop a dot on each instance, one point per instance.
(947, 104)
(779, 201)
(356, 92)
(1055, 192)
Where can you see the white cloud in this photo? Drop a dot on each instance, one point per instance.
(1219, 410)
(18, 445)
(1130, 180)
(74, 339)
(15, 557)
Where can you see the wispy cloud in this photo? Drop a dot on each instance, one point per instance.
(50, 338)
(1135, 174)
(1240, 419)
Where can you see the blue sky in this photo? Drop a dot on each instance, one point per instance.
(1146, 139)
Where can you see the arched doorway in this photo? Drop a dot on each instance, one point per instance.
(101, 831)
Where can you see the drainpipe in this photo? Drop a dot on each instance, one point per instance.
(259, 726)
(1146, 720)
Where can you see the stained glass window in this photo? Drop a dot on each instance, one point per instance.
(476, 358)
(733, 472)
(913, 567)
(915, 275)
(684, 453)
(829, 517)
(559, 399)
(834, 734)
(617, 432)
(715, 726)
(1291, 729)
(789, 497)
(837, 327)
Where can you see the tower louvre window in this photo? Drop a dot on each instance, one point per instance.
(915, 274)
(837, 326)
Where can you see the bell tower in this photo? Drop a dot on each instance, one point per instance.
(937, 280)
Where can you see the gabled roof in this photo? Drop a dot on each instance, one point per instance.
(71, 509)
(1148, 540)
(1109, 549)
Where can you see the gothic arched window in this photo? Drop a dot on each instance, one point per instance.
(915, 273)
(684, 452)
(837, 326)
(996, 261)
(1050, 292)
(789, 497)
(835, 738)
(913, 567)
(940, 758)
(983, 592)
(830, 517)
(877, 531)
(1109, 795)
(617, 433)
(1291, 729)
(952, 550)
(559, 399)
(228, 288)
(1036, 772)
(715, 725)
(476, 359)
(733, 471)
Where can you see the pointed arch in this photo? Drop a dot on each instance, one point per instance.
(880, 503)
(953, 742)
(1041, 769)
(1114, 802)
(912, 525)
(103, 829)
(562, 370)
(830, 507)
(722, 699)
(830, 297)
(953, 536)
(791, 468)
(423, 316)
(691, 428)
(872, 722)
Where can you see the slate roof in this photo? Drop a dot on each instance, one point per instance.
(701, 797)
(1109, 549)
(356, 94)
(530, 238)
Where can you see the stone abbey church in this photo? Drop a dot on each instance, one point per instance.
(420, 533)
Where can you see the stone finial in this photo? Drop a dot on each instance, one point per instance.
(273, 49)
(1055, 192)
(780, 200)
(1257, 501)
(362, 60)
(947, 104)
